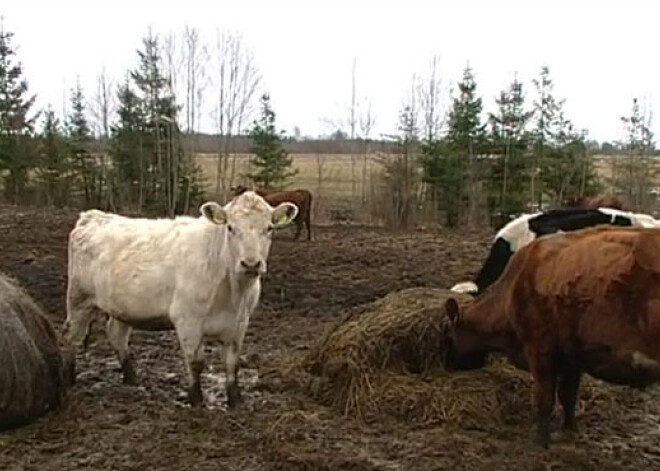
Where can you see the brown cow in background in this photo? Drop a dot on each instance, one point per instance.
(594, 202)
(301, 198)
(570, 303)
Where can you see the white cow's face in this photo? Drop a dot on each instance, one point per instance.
(249, 221)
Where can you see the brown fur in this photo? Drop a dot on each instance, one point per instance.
(580, 302)
(301, 198)
(594, 202)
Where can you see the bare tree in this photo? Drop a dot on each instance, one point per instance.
(367, 122)
(237, 81)
(103, 105)
(195, 61)
(186, 63)
(172, 64)
(430, 97)
(352, 123)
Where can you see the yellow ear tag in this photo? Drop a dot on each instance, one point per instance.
(281, 218)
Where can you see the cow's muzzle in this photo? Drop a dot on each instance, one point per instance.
(252, 267)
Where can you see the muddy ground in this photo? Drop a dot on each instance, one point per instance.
(108, 426)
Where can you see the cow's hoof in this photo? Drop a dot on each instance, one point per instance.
(234, 398)
(195, 396)
(128, 371)
(68, 370)
(542, 440)
(566, 435)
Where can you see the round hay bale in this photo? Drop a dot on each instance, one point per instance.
(30, 360)
(387, 358)
(402, 333)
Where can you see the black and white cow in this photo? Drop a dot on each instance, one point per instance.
(524, 229)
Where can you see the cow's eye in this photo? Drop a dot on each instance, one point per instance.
(230, 228)
(269, 229)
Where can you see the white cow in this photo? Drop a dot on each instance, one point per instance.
(200, 276)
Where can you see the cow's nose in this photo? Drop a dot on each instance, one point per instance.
(251, 264)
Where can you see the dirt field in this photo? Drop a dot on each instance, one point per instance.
(109, 426)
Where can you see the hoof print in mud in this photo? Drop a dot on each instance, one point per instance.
(350, 260)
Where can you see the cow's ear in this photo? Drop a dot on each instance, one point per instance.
(453, 310)
(284, 213)
(214, 212)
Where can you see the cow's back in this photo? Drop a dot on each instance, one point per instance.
(116, 260)
(587, 288)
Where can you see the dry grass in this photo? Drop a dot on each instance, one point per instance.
(335, 179)
(336, 171)
(386, 357)
(30, 361)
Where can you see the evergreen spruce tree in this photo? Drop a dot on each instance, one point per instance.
(509, 142)
(89, 173)
(170, 180)
(546, 112)
(639, 170)
(271, 163)
(54, 166)
(400, 173)
(466, 139)
(126, 150)
(16, 124)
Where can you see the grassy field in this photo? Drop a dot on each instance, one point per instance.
(345, 185)
(328, 175)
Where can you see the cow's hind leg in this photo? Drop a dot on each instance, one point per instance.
(569, 383)
(190, 332)
(308, 223)
(299, 227)
(80, 309)
(118, 335)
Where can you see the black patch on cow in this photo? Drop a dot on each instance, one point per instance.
(549, 222)
(497, 260)
(561, 220)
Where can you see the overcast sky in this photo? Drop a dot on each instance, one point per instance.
(601, 53)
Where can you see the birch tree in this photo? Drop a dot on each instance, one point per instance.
(236, 82)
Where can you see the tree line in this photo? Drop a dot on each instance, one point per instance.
(141, 157)
(138, 153)
(522, 157)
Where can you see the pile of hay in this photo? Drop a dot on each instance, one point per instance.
(30, 360)
(386, 358)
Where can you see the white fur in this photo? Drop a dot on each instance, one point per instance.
(186, 269)
(638, 219)
(468, 287)
(613, 213)
(517, 232)
(644, 220)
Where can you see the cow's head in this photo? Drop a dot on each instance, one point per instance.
(238, 190)
(248, 221)
(464, 347)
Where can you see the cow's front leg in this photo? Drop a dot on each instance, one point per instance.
(232, 353)
(569, 384)
(118, 335)
(545, 384)
(190, 332)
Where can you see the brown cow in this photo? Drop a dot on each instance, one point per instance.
(569, 303)
(301, 198)
(595, 202)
